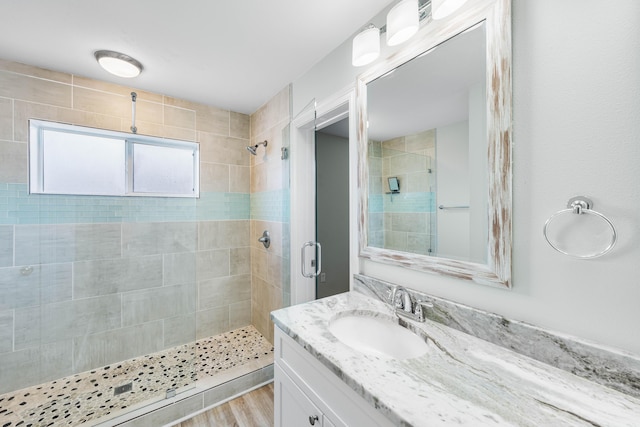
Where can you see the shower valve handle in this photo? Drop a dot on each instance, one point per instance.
(265, 239)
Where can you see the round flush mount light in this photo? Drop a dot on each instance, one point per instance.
(118, 64)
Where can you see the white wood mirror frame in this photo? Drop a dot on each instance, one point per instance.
(496, 14)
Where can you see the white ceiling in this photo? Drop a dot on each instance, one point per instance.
(233, 54)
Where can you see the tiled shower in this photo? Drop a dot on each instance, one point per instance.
(406, 220)
(100, 292)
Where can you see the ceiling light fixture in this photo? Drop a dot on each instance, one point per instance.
(366, 46)
(443, 8)
(118, 64)
(402, 22)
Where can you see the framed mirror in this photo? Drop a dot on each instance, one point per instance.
(434, 135)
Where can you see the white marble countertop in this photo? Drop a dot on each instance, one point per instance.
(462, 380)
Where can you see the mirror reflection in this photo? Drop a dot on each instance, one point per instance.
(427, 153)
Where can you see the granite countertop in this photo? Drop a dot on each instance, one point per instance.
(461, 380)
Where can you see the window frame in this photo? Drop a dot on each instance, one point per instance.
(36, 157)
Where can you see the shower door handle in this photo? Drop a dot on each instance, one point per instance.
(304, 261)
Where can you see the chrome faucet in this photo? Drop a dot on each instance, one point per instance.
(405, 305)
(401, 299)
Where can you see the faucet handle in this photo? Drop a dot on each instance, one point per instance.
(420, 307)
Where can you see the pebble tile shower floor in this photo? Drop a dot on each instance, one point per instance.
(87, 397)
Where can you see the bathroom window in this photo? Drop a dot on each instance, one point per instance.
(67, 159)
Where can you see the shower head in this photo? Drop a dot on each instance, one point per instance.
(254, 150)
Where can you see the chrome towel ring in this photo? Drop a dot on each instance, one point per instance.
(581, 205)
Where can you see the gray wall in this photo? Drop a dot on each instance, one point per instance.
(332, 212)
(576, 103)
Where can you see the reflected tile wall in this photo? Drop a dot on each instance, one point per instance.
(86, 281)
(408, 217)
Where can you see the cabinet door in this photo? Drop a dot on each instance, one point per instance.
(293, 407)
(326, 422)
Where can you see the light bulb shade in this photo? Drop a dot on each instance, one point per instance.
(118, 64)
(403, 22)
(366, 47)
(443, 8)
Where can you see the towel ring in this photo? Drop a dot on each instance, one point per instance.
(581, 205)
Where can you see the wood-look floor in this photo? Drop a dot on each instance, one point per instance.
(254, 409)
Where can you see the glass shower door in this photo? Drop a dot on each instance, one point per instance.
(285, 274)
(305, 256)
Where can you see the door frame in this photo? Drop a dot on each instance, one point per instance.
(303, 190)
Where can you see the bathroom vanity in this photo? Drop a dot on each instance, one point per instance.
(307, 393)
(458, 380)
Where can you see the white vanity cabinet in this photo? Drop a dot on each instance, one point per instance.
(307, 393)
(294, 407)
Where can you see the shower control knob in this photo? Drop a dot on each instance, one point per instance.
(313, 419)
(265, 239)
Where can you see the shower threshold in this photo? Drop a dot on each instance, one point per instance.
(88, 398)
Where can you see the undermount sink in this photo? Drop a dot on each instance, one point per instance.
(378, 336)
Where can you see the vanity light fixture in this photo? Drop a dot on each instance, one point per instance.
(118, 64)
(366, 46)
(403, 22)
(443, 8)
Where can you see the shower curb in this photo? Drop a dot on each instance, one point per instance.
(190, 403)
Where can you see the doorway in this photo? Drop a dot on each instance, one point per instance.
(329, 127)
(332, 207)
